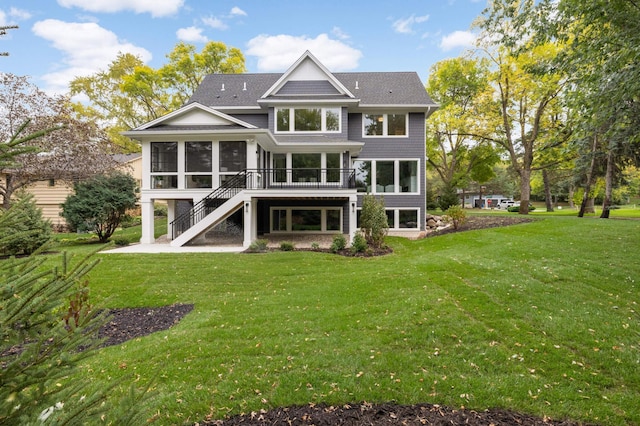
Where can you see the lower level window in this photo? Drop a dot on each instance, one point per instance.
(408, 218)
(296, 219)
(399, 218)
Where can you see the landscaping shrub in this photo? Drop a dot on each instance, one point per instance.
(448, 198)
(339, 243)
(373, 220)
(359, 244)
(121, 241)
(456, 215)
(258, 246)
(287, 246)
(100, 203)
(516, 209)
(25, 230)
(315, 246)
(160, 210)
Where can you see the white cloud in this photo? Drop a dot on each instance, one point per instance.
(236, 11)
(86, 48)
(156, 8)
(277, 53)
(13, 16)
(214, 22)
(192, 35)
(458, 39)
(19, 14)
(405, 26)
(337, 31)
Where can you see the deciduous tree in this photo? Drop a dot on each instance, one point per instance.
(45, 139)
(130, 93)
(100, 203)
(459, 86)
(527, 89)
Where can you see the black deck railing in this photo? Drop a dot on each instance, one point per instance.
(258, 179)
(305, 178)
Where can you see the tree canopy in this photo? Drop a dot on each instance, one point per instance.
(130, 93)
(459, 86)
(43, 138)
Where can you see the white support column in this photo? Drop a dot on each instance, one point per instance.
(249, 222)
(147, 222)
(171, 216)
(252, 154)
(353, 216)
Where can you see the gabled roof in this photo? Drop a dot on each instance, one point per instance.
(305, 70)
(309, 81)
(194, 115)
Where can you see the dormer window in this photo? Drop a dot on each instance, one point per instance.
(384, 125)
(294, 120)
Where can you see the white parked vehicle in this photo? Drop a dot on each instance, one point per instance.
(505, 204)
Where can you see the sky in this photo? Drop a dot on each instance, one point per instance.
(58, 40)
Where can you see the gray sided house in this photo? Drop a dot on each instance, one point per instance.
(287, 154)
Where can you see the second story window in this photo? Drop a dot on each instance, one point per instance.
(198, 162)
(307, 120)
(164, 157)
(384, 125)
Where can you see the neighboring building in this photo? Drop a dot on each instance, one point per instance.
(287, 153)
(51, 193)
(482, 201)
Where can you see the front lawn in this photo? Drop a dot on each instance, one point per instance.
(538, 317)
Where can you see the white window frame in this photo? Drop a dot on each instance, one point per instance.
(396, 175)
(155, 178)
(188, 174)
(323, 219)
(385, 125)
(292, 124)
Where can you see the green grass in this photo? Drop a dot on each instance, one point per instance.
(540, 317)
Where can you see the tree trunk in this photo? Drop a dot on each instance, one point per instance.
(608, 191)
(587, 188)
(571, 192)
(8, 192)
(547, 191)
(525, 190)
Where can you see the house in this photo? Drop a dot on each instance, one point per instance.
(480, 200)
(49, 194)
(278, 154)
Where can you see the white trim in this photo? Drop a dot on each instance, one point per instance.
(187, 108)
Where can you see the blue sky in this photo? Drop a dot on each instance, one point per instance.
(60, 39)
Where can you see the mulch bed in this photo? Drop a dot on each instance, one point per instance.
(130, 323)
(383, 414)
